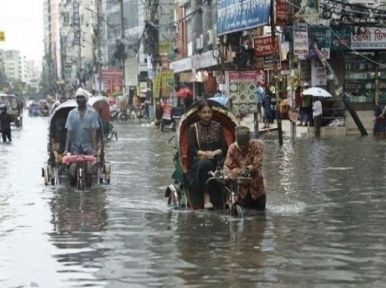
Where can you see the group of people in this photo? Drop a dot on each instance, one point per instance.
(310, 110)
(208, 149)
(309, 107)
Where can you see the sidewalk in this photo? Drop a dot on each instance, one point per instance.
(301, 132)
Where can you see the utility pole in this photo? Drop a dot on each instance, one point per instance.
(291, 66)
(123, 41)
(152, 49)
(275, 56)
(99, 39)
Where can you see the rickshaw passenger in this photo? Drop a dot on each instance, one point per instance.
(207, 148)
(247, 154)
(82, 125)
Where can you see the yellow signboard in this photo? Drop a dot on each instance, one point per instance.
(2, 36)
(157, 85)
(167, 83)
(164, 47)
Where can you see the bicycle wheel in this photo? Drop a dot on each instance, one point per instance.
(237, 211)
(80, 179)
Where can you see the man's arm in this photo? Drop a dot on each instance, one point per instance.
(69, 127)
(231, 167)
(68, 140)
(94, 132)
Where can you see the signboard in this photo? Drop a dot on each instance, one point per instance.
(76, 23)
(238, 15)
(281, 12)
(165, 47)
(263, 46)
(269, 62)
(318, 74)
(301, 40)
(245, 76)
(112, 80)
(167, 83)
(331, 38)
(2, 36)
(157, 85)
(373, 38)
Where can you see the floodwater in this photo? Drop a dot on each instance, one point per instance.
(324, 224)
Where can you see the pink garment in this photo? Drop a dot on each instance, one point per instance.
(79, 158)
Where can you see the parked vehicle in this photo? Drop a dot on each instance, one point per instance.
(14, 108)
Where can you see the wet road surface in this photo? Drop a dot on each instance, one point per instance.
(324, 224)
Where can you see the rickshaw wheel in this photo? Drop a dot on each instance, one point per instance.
(80, 184)
(237, 211)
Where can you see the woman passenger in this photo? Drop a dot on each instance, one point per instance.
(206, 149)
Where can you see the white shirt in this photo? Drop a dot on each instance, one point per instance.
(317, 108)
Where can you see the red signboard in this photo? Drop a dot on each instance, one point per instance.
(281, 12)
(245, 76)
(263, 46)
(112, 80)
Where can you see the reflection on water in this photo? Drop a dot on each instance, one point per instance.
(323, 225)
(78, 218)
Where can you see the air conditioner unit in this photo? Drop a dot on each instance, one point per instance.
(209, 37)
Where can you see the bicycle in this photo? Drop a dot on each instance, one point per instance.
(231, 187)
(81, 166)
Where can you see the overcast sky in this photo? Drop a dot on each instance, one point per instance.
(22, 22)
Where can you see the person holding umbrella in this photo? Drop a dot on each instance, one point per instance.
(306, 108)
(317, 115)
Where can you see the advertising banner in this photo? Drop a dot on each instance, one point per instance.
(281, 12)
(371, 38)
(167, 82)
(301, 40)
(237, 15)
(263, 46)
(112, 80)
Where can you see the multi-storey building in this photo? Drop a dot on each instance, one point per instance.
(2, 55)
(78, 20)
(135, 17)
(14, 65)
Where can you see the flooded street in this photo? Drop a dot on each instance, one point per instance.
(324, 223)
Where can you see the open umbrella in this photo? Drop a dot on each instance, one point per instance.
(316, 92)
(183, 92)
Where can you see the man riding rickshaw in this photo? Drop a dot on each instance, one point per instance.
(76, 145)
